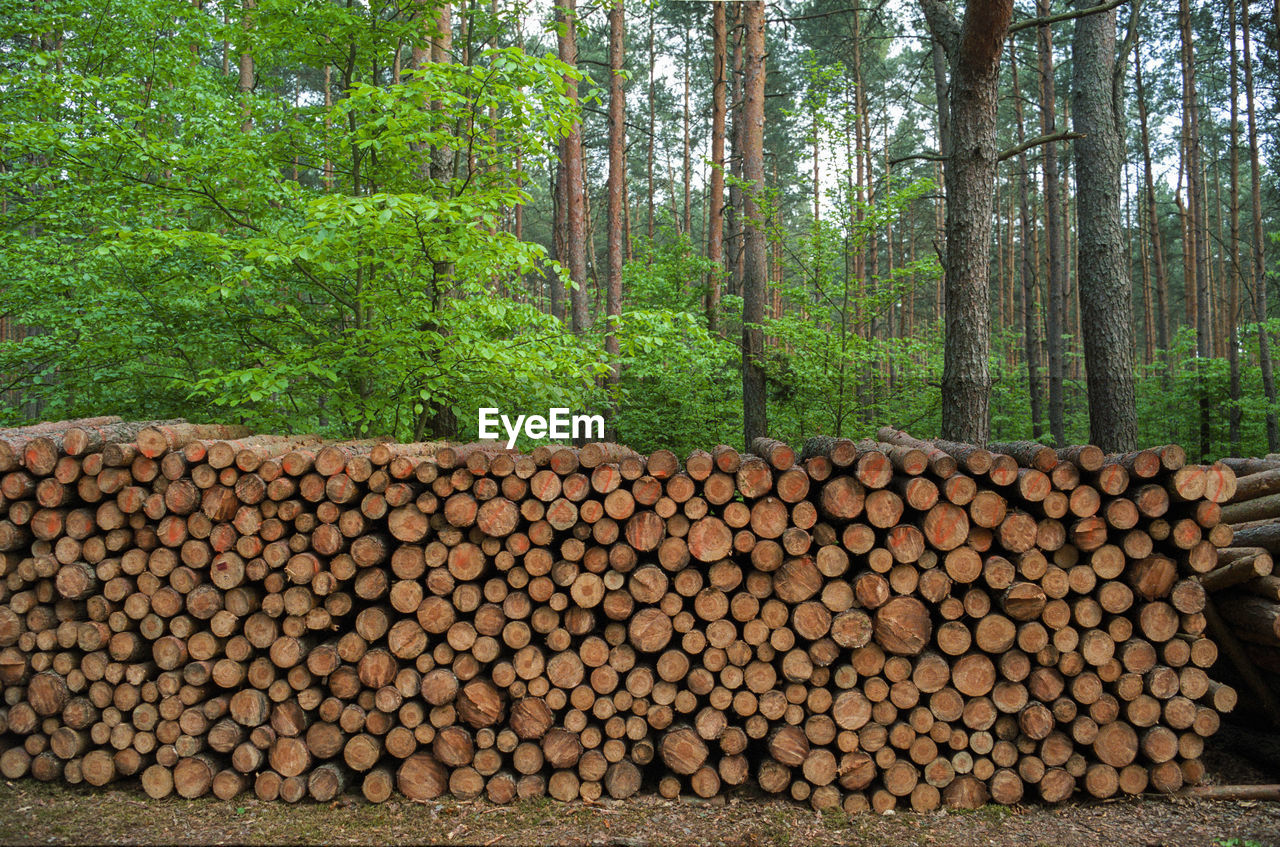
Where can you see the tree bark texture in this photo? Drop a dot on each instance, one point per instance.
(1106, 310)
(974, 49)
(755, 261)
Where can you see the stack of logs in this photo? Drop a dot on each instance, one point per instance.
(862, 625)
(1245, 595)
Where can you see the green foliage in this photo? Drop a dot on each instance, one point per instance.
(829, 369)
(173, 264)
(681, 385)
(1169, 403)
(666, 275)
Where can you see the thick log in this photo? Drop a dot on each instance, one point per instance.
(1028, 454)
(903, 626)
(1252, 618)
(1256, 563)
(941, 464)
(155, 441)
(422, 777)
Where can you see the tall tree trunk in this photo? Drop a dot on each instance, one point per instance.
(715, 200)
(1105, 294)
(443, 159)
(653, 110)
(860, 144)
(938, 56)
(1027, 272)
(1219, 277)
(1258, 274)
(617, 179)
(1056, 282)
(559, 227)
(575, 211)
(1197, 225)
(589, 240)
(755, 261)
(517, 214)
(1153, 218)
(1188, 242)
(1233, 270)
(734, 212)
(1196, 198)
(688, 156)
(1136, 228)
(897, 305)
(626, 220)
(974, 49)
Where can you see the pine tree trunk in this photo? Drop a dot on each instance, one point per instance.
(1135, 222)
(652, 122)
(715, 200)
(1056, 282)
(1198, 229)
(688, 156)
(1258, 271)
(559, 227)
(576, 218)
(1027, 273)
(1233, 292)
(975, 48)
(442, 52)
(860, 188)
(943, 96)
(617, 179)
(734, 216)
(1153, 219)
(1106, 310)
(755, 260)
(517, 211)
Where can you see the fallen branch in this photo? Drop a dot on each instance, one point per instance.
(1231, 792)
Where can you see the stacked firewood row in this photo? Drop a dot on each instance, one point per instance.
(860, 625)
(1244, 592)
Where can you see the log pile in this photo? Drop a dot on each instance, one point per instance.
(1244, 593)
(861, 625)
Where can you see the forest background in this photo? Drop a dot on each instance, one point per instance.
(704, 220)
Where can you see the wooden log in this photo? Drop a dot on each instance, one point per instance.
(155, 441)
(976, 460)
(1260, 508)
(683, 750)
(903, 626)
(1256, 563)
(422, 777)
(841, 451)
(12, 440)
(1028, 454)
(777, 453)
(1251, 617)
(941, 464)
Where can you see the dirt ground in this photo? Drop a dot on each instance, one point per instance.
(36, 813)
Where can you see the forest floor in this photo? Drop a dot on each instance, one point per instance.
(37, 813)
